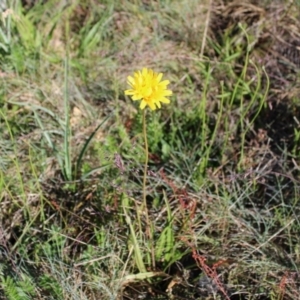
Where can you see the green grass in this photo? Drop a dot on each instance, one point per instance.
(223, 185)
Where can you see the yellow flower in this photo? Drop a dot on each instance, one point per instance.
(147, 86)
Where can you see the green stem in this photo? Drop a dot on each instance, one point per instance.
(146, 161)
(144, 205)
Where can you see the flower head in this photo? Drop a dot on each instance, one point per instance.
(147, 86)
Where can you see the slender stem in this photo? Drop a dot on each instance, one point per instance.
(144, 205)
(146, 161)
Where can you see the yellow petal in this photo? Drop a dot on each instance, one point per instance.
(167, 93)
(130, 80)
(150, 74)
(145, 72)
(158, 104)
(129, 92)
(164, 83)
(136, 97)
(159, 76)
(143, 104)
(152, 105)
(164, 100)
